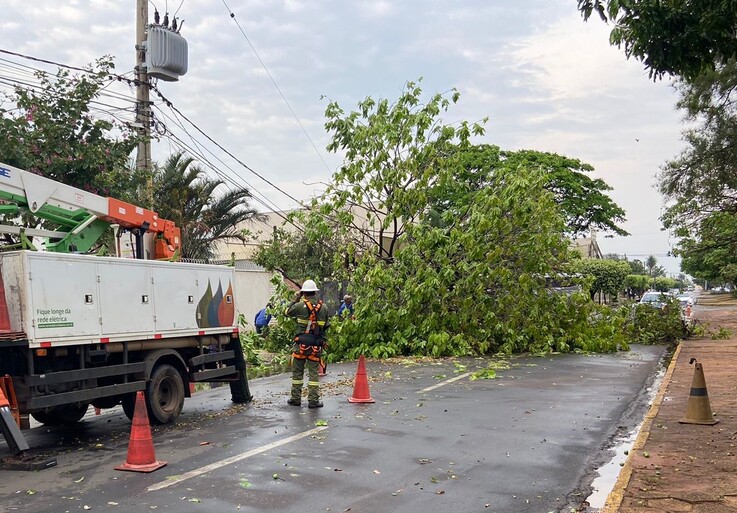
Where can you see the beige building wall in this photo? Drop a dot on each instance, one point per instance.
(263, 231)
(587, 246)
(253, 289)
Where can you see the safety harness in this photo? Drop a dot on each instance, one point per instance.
(308, 344)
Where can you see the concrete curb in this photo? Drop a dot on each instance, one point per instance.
(615, 497)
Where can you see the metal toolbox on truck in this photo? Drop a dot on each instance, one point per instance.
(63, 299)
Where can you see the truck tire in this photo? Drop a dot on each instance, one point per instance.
(106, 402)
(47, 418)
(164, 394)
(239, 390)
(61, 415)
(72, 413)
(128, 402)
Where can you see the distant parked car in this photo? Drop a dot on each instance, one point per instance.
(685, 300)
(654, 298)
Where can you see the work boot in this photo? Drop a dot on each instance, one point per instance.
(318, 404)
(294, 402)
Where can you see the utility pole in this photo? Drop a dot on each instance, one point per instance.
(143, 107)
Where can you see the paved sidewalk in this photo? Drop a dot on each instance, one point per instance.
(676, 467)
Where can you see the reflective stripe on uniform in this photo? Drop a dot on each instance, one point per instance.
(297, 382)
(313, 383)
(307, 321)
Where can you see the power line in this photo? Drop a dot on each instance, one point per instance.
(169, 104)
(263, 65)
(213, 141)
(195, 126)
(215, 168)
(46, 61)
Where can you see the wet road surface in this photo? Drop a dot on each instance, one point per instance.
(434, 440)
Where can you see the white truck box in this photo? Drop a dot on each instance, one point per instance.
(63, 299)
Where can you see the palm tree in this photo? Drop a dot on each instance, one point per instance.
(185, 194)
(651, 264)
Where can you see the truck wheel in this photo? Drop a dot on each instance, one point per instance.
(46, 418)
(106, 402)
(164, 395)
(72, 413)
(128, 402)
(61, 415)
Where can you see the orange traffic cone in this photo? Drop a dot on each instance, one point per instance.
(141, 457)
(698, 409)
(360, 387)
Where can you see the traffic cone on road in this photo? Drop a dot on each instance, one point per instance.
(360, 387)
(698, 409)
(141, 457)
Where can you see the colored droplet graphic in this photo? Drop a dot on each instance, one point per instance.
(214, 306)
(202, 319)
(226, 312)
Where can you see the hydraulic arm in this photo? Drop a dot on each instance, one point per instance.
(81, 216)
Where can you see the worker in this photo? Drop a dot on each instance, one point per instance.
(309, 338)
(346, 306)
(262, 319)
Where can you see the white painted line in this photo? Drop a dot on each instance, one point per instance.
(233, 459)
(442, 383)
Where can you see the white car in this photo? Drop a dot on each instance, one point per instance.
(685, 300)
(654, 298)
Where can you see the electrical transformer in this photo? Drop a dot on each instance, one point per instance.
(166, 54)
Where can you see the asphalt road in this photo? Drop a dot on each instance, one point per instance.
(434, 440)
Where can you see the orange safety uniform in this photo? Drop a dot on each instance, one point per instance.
(312, 321)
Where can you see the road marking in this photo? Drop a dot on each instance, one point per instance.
(233, 459)
(442, 383)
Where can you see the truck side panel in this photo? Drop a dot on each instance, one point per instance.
(126, 302)
(175, 299)
(62, 300)
(66, 299)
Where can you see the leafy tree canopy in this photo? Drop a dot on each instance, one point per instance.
(608, 276)
(677, 37)
(701, 183)
(582, 201)
(51, 131)
(297, 257)
(664, 283)
(636, 265)
(703, 179)
(713, 255)
(637, 284)
(474, 278)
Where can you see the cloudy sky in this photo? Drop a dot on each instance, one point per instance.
(545, 79)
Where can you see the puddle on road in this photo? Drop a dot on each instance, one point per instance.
(608, 473)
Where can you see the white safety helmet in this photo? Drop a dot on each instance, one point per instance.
(309, 286)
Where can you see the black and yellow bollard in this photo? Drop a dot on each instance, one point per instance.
(698, 409)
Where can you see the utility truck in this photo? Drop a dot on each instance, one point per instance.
(78, 329)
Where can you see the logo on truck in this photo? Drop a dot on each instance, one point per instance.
(216, 310)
